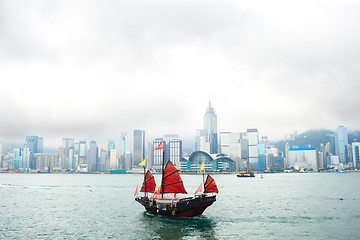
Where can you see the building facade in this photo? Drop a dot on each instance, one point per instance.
(341, 144)
(157, 155)
(103, 165)
(82, 153)
(301, 158)
(93, 157)
(356, 154)
(45, 162)
(252, 136)
(113, 160)
(175, 151)
(139, 147)
(111, 146)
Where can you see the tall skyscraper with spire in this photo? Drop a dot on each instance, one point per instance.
(210, 128)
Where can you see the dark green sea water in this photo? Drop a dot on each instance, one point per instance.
(280, 206)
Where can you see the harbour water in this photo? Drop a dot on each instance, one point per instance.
(102, 206)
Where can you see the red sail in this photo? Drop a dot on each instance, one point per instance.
(150, 183)
(172, 180)
(210, 185)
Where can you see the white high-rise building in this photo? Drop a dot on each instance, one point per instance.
(200, 133)
(301, 158)
(113, 161)
(175, 146)
(252, 136)
(210, 127)
(26, 157)
(67, 143)
(230, 144)
(157, 154)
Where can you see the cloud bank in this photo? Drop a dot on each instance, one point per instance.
(94, 69)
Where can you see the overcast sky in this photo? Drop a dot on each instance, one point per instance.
(93, 69)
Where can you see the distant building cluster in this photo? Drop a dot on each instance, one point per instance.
(337, 154)
(224, 152)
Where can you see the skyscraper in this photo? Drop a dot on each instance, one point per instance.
(63, 160)
(93, 157)
(40, 145)
(103, 165)
(230, 144)
(123, 138)
(26, 157)
(175, 148)
(35, 146)
(139, 147)
(113, 161)
(301, 158)
(253, 141)
(210, 127)
(356, 154)
(261, 162)
(82, 152)
(72, 164)
(33, 143)
(200, 141)
(157, 154)
(67, 143)
(341, 144)
(111, 146)
(17, 158)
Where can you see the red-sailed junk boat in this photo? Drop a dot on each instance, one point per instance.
(172, 206)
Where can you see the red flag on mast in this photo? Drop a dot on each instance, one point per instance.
(160, 146)
(199, 189)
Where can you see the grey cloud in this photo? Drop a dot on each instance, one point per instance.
(93, 69)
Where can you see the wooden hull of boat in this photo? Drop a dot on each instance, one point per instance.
(187, 207)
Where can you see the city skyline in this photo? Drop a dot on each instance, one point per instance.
(91, 70)
(227, 151)
(190, 144)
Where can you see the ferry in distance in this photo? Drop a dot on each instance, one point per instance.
(247, 173)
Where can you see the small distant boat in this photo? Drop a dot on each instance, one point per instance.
(172, 183)
(247, 173)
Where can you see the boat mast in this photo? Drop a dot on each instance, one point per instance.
(144, 182)
(162, 178)
(204, 178)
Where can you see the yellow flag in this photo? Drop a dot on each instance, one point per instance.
(143, 163)
(154, 192)
(202, 167)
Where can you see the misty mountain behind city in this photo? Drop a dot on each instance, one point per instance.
(315, 138)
